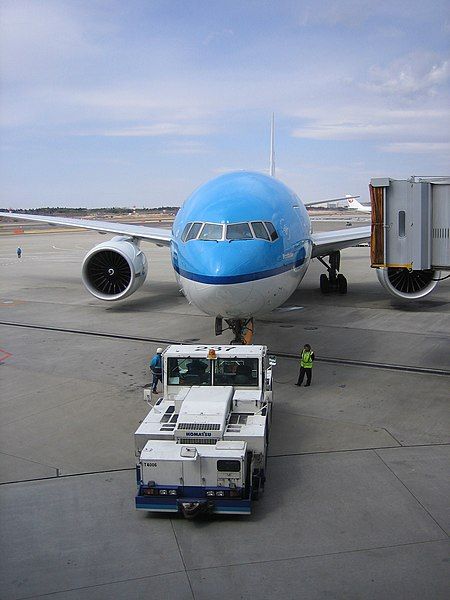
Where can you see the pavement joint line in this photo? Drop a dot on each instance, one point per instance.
(324, 359)
(411, 493)
(182, 558)
(67, 475)
(361, 328)
(280, 409)
(365, 363)
(51, 408)
(392, 436)
(358, 450)
(35, 462)
(287, 455)
(98, 585)
(306, 556)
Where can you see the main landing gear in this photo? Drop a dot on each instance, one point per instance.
(334, 281)
(241, 328)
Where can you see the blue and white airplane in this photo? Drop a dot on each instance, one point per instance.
(240, 246)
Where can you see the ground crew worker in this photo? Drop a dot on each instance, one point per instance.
(156, 369)
(19, 252)
(306, 363)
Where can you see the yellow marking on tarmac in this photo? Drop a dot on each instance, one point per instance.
(7, 302)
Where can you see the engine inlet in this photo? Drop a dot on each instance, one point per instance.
(108, 272)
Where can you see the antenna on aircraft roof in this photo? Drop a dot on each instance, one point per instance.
(272, 147)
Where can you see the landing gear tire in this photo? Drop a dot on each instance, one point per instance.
(324, 284)
(333, 281)
(341, 284)
(242, 329)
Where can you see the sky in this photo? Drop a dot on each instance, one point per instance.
(137, 103)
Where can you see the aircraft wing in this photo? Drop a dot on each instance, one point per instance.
(156, 235)
(325, 242)
(314, 202)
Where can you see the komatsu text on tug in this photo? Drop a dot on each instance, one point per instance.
(203, 445)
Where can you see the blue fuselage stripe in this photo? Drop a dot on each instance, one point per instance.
(242, 278)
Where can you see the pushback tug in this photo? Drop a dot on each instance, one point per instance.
(203, 445)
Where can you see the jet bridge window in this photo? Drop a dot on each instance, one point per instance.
(188, 371)
(260, 230)
(236, 371)
(211, 231)
(239, 231)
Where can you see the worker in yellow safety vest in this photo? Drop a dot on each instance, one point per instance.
(306, 363)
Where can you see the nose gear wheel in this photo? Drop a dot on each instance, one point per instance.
(242, 329)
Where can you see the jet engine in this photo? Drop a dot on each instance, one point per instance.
(406, 284)
(114, 269)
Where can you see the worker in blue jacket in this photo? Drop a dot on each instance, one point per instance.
(156, 368)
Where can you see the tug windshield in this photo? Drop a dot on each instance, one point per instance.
(188, 371)
(236, 371)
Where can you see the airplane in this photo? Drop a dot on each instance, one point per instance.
(240, 246)
(353, 203)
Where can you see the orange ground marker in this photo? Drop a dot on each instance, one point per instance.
(4, 355)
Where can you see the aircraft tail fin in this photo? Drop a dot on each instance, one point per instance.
(353, 203)
(272, 147)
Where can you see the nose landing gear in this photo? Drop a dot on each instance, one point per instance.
(334, 281)
(241, 328)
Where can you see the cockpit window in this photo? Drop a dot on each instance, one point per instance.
(211, 231)
(234, 231)
(185, 231)
(239, 231)
(271, 229)
(259, 230)
(193, 231)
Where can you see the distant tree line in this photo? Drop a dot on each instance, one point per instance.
(115, 210)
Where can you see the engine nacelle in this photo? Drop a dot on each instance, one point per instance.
(406, 284)
(115, 269)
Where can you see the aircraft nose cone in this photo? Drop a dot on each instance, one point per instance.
(221, 279)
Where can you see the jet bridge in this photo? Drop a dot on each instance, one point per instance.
(410, 234)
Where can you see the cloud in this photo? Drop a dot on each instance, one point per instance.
(40, 39)
(405, 101)
(354, 14)
(186, 147)
(349, 13)
(438, 148)
(416, 73)
(358, 122)
(217, 36)
(157, 130)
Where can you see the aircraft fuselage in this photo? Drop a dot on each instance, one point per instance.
(250, 245)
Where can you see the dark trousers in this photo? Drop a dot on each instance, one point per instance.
(156, 378)
(301, 376)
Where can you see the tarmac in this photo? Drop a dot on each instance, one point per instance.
(356, 504)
